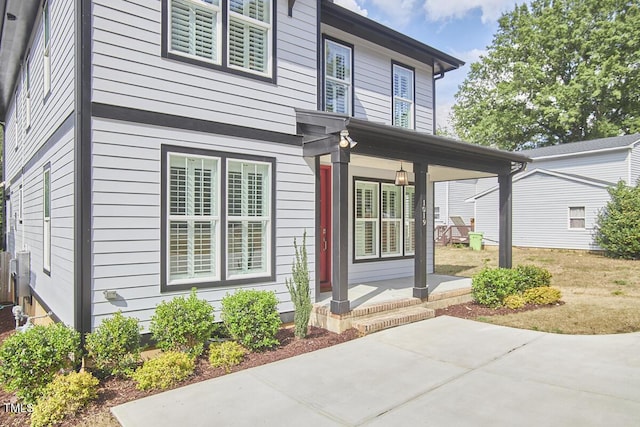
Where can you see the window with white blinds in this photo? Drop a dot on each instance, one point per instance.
(403, 97)
(384, 220)
(409, 220)
(193, 218)
(248, 218)
(337, 77)
(46, 219)
(391, 227)
(577, 219)
(27, 93)
(249, 32)
(195, 28)
(231, 34)
(366, 220)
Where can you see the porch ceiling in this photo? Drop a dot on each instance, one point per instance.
(446, 157)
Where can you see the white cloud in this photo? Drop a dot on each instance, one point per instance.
(353, 5)
(398, 12)
(439, 10)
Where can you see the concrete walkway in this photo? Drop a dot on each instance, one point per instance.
(439, 372)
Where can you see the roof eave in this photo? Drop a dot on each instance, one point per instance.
(367, 29)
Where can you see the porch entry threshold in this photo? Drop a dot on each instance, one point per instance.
(383, 304)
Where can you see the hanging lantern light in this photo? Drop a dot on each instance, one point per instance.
(402, 177)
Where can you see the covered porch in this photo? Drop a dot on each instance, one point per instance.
(335, 143)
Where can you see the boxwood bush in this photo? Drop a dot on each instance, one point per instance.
(29, 360)
(491, 285)
(532, 276)
(251, 317)
(115, 345)
(183, 324)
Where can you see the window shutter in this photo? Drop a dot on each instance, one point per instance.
(410, 222)
(194, 29)
(248, 46)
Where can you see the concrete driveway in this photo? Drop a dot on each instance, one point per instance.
(439, 372)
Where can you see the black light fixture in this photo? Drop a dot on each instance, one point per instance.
(402, 177)
(11, 16)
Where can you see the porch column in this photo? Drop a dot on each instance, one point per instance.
(340, 236)
(505, 221)
(420, 289)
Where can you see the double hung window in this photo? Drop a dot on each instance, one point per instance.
(384, 220)
(230, 34)
(403, 105)
(337, 77)
(27, 93)
(46, 52)
(210, 238)
(577, 217)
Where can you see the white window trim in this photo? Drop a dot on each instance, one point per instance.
(27, 93)
(375, 220)
(584, 218)
(411, 101)
(345, 82)
(46, 221)
(253, 22)
(264, 218)
(215, 218)
(407, 221)
(46, 48)
(218, 10)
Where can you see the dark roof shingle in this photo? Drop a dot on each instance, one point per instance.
(582, 146)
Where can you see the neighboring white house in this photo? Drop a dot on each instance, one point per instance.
(152, 146)
(557, 199)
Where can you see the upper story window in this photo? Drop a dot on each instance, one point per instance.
(338, 75)
(46, 52)
(232, 35)
(27, 93)
(403, 96)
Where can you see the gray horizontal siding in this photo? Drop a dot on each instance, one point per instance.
(372, 82)
(126, 213)
(128, 70)
(607, 166)
(541, 212)
(635, 165)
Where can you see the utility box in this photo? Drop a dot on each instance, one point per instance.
(475, 240)
(20, 268)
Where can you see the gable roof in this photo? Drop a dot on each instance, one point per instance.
(562, 175)
(583, 147)
(367, 29)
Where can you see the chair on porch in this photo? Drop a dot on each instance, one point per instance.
(456, 233)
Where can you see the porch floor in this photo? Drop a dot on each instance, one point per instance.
(369, 293)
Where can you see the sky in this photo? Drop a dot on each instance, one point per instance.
(461, 28)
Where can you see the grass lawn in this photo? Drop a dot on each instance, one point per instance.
(602, 295)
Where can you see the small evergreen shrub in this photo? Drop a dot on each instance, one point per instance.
(617, 228)
(532, 276)
(299, 289)
(491, 285)
(29, 360)
(251, 317)
(64, 396)
(514, 301)
(542, 295)
(183, 324)
(226, 354)
(164, 371)
(115, 345)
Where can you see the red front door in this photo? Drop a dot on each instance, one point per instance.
(325, 228)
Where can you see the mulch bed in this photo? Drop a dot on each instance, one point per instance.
(473, 310)
(115, 391)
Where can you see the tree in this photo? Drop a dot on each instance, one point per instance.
(618, 224)
(557, 71)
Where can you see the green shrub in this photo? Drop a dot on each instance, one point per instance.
(299, 289)
(65, 395)
(532, 276)
(251, 317)
(542, 295)
(164, 371)
(514, 301)
(115, 345)
(618, 224)
(491, 285)
(183, 324)
(29, 360)
(226, 354)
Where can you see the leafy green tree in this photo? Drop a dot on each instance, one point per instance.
(618, 224)
(557, 71)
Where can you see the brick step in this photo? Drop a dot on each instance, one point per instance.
(391, 319)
